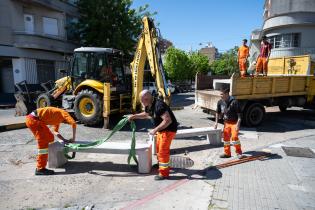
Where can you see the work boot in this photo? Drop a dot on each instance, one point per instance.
(225, 156)
(159, 177)
(44, 171)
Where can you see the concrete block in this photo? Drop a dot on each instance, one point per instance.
(152, 141)
(56, 157)
(144, 160)
(213, 136)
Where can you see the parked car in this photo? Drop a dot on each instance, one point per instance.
(150, 86)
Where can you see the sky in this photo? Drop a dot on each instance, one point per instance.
(191, 24)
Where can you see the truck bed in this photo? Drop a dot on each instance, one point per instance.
(257, 88)
(207, 99)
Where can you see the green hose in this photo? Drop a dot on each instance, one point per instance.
(119, 126)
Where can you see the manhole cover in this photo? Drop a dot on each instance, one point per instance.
(181, 162)
(299, 152)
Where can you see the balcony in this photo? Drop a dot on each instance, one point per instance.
(38, 41)
(281, 52)
(286, 20)
(61, 6)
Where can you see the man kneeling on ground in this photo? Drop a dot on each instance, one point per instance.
(165, 128)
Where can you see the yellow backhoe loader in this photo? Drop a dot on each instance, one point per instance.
(96, 85)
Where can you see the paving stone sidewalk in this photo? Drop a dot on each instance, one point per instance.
(281, 182)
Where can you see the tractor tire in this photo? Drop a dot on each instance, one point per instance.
(44, 100)
(254, 114)
(88, 107)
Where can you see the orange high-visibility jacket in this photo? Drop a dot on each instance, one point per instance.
(243, 52)
(54, 116)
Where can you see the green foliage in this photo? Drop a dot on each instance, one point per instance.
(109, 24)
(227, 63)
(180, 66)
(177, 64)
(199, 63)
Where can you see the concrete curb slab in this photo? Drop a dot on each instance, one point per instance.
(10, 127)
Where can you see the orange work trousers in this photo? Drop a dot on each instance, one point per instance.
(243, 66)
(43, 136)
(229, 133)
(262, 66)
(164, 140)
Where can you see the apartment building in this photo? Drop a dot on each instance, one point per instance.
(289, 26)
(34, 41)
(210, 51)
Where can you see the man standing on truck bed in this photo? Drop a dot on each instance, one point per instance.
(37, 122)
(242, 55)
(165, 128)
(262, 60)
(229, 109)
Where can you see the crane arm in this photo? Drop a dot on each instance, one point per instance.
(148, 49)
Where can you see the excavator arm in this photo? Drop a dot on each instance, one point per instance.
(148, 49)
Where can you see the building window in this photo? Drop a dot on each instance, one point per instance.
(285, 40)
(29, 23)
(50, 26)
(70, 27)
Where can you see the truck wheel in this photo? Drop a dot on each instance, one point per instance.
(254, 114)
(88, 107)
(44, 100)
(283, 108)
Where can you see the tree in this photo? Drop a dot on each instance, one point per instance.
(199, 64)
(109, 23)
(177, 64)
(227, 63)
(180, 66)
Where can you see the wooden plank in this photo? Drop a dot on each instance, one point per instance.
(263, 85)
(243, 86)
(299, 84)
(273, 88)
(291, 84)
(263, 96)
(281, 85)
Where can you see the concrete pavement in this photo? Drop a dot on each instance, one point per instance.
(9, 122)
(106, 182)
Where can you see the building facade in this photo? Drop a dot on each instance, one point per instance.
(33, 41)
(289, 26)
(164, 45)
(211, 52)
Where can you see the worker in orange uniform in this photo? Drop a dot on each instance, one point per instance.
(243, 53)
(229, 109)
(37, 122)
(262, 60)
(165, 129)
